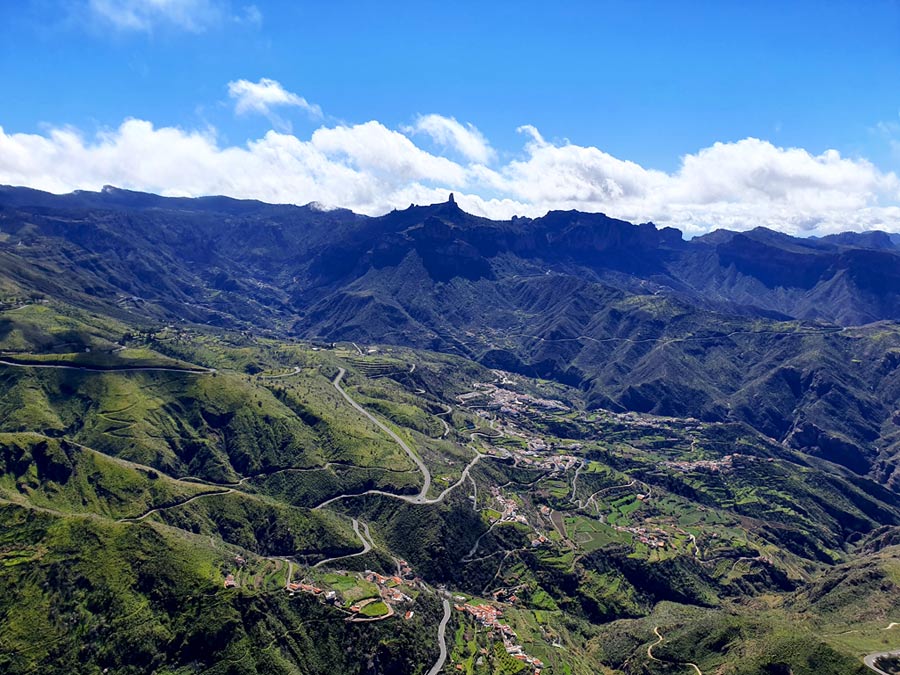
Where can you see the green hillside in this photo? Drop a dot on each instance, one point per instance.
(155, 463)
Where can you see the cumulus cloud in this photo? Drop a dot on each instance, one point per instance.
(336, 167)
(143, 15)
(263, 96)
(371, 169)
(573, 173)
(376, 150)
(446, 131)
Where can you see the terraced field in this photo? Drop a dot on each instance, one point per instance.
(609, 542)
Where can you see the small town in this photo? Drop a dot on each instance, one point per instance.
(388, 592)
(656, 538)
(489, 617)
(507, 401)
(723, 464)
(508, 508)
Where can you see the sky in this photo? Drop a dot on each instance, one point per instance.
(697, 115)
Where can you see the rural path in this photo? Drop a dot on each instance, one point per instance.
(290, 575)
(578, 502)
(472, 551)
(224, 488)
(442, 640)
(289, 469)
(426, 485)
(199, 370)
(651, 646)
(296, 371)
(156, 509)
(683, 663)
(369, 619)
(443, 421)
(581, 465)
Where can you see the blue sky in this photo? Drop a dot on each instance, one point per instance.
(604, 84)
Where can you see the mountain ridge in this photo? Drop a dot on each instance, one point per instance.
(277, 441)
(755, 326)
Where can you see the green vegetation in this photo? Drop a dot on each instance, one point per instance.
(60, 475)
(374, 609)
(128, 496)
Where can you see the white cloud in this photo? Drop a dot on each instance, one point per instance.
(144, 15)
(378, 151)
(572, 173)
(261, 97)
(336, 167)
(371, 168)
(446, 131)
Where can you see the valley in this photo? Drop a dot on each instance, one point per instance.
(556, 497)
(495, 473)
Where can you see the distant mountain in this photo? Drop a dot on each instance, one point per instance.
(729, 326)
(849, 279)
(645, 454)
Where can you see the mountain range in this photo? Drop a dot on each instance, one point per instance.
(779, 332)
(238, 437)
(289, 258)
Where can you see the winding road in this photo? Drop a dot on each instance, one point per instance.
(442, 640)
(296, 371)
(199, 370)
(155, 509)
(683, 663)
(366, 542)
(443, 421)
(426, 485)
(871, 658)
(360, 529)
(289, 469)
(417, 499)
